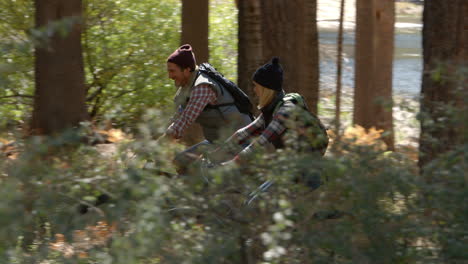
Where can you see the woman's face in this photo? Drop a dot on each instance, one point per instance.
(258, 89)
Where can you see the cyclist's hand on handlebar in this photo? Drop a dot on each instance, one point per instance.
(171, 133)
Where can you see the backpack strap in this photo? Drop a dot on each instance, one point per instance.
(295, 98)
(240, 99)
(210, 106)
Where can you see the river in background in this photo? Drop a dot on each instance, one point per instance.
(407, 64)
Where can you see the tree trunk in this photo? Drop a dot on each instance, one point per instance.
(250, 44)
(374, 59)
(195, 15)
(59, 99)
(289, 31)
(195, 27)
(339, 67)
(444, 90)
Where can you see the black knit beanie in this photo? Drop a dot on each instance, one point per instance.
(270, 75)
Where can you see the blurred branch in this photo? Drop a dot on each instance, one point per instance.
(101, 80)
(103, 77)
(87, 56)
(126, 92)
(99, 211)
(16, 104)
(17, 95)
(101, 87)
(97, 104)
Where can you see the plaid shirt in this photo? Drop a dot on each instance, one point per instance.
(274, 130)
(200, 96)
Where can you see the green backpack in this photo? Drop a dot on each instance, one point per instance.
(317, 133)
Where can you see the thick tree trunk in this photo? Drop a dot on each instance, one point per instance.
(308, 83)
(289, 31)
(374, 59)
(444, 89)
(60, 95)
(250, 43)
(195, 25)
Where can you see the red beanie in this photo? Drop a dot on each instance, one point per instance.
(184, 57)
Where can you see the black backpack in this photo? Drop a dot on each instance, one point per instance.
(241, 100)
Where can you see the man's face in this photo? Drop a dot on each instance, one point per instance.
(180, 77)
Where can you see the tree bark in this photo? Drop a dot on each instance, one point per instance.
(289, 31)
(444, 90)
(250, 44)
(339, 68)
(59, 99)
(195, 26)
(374, 61)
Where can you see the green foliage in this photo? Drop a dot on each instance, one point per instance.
(125, 45)
(445, 199)
(223, 38)
(383, 210)
(16, 62)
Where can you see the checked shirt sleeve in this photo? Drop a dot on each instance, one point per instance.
(243, 135)
(201, 96)
(274, 130)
